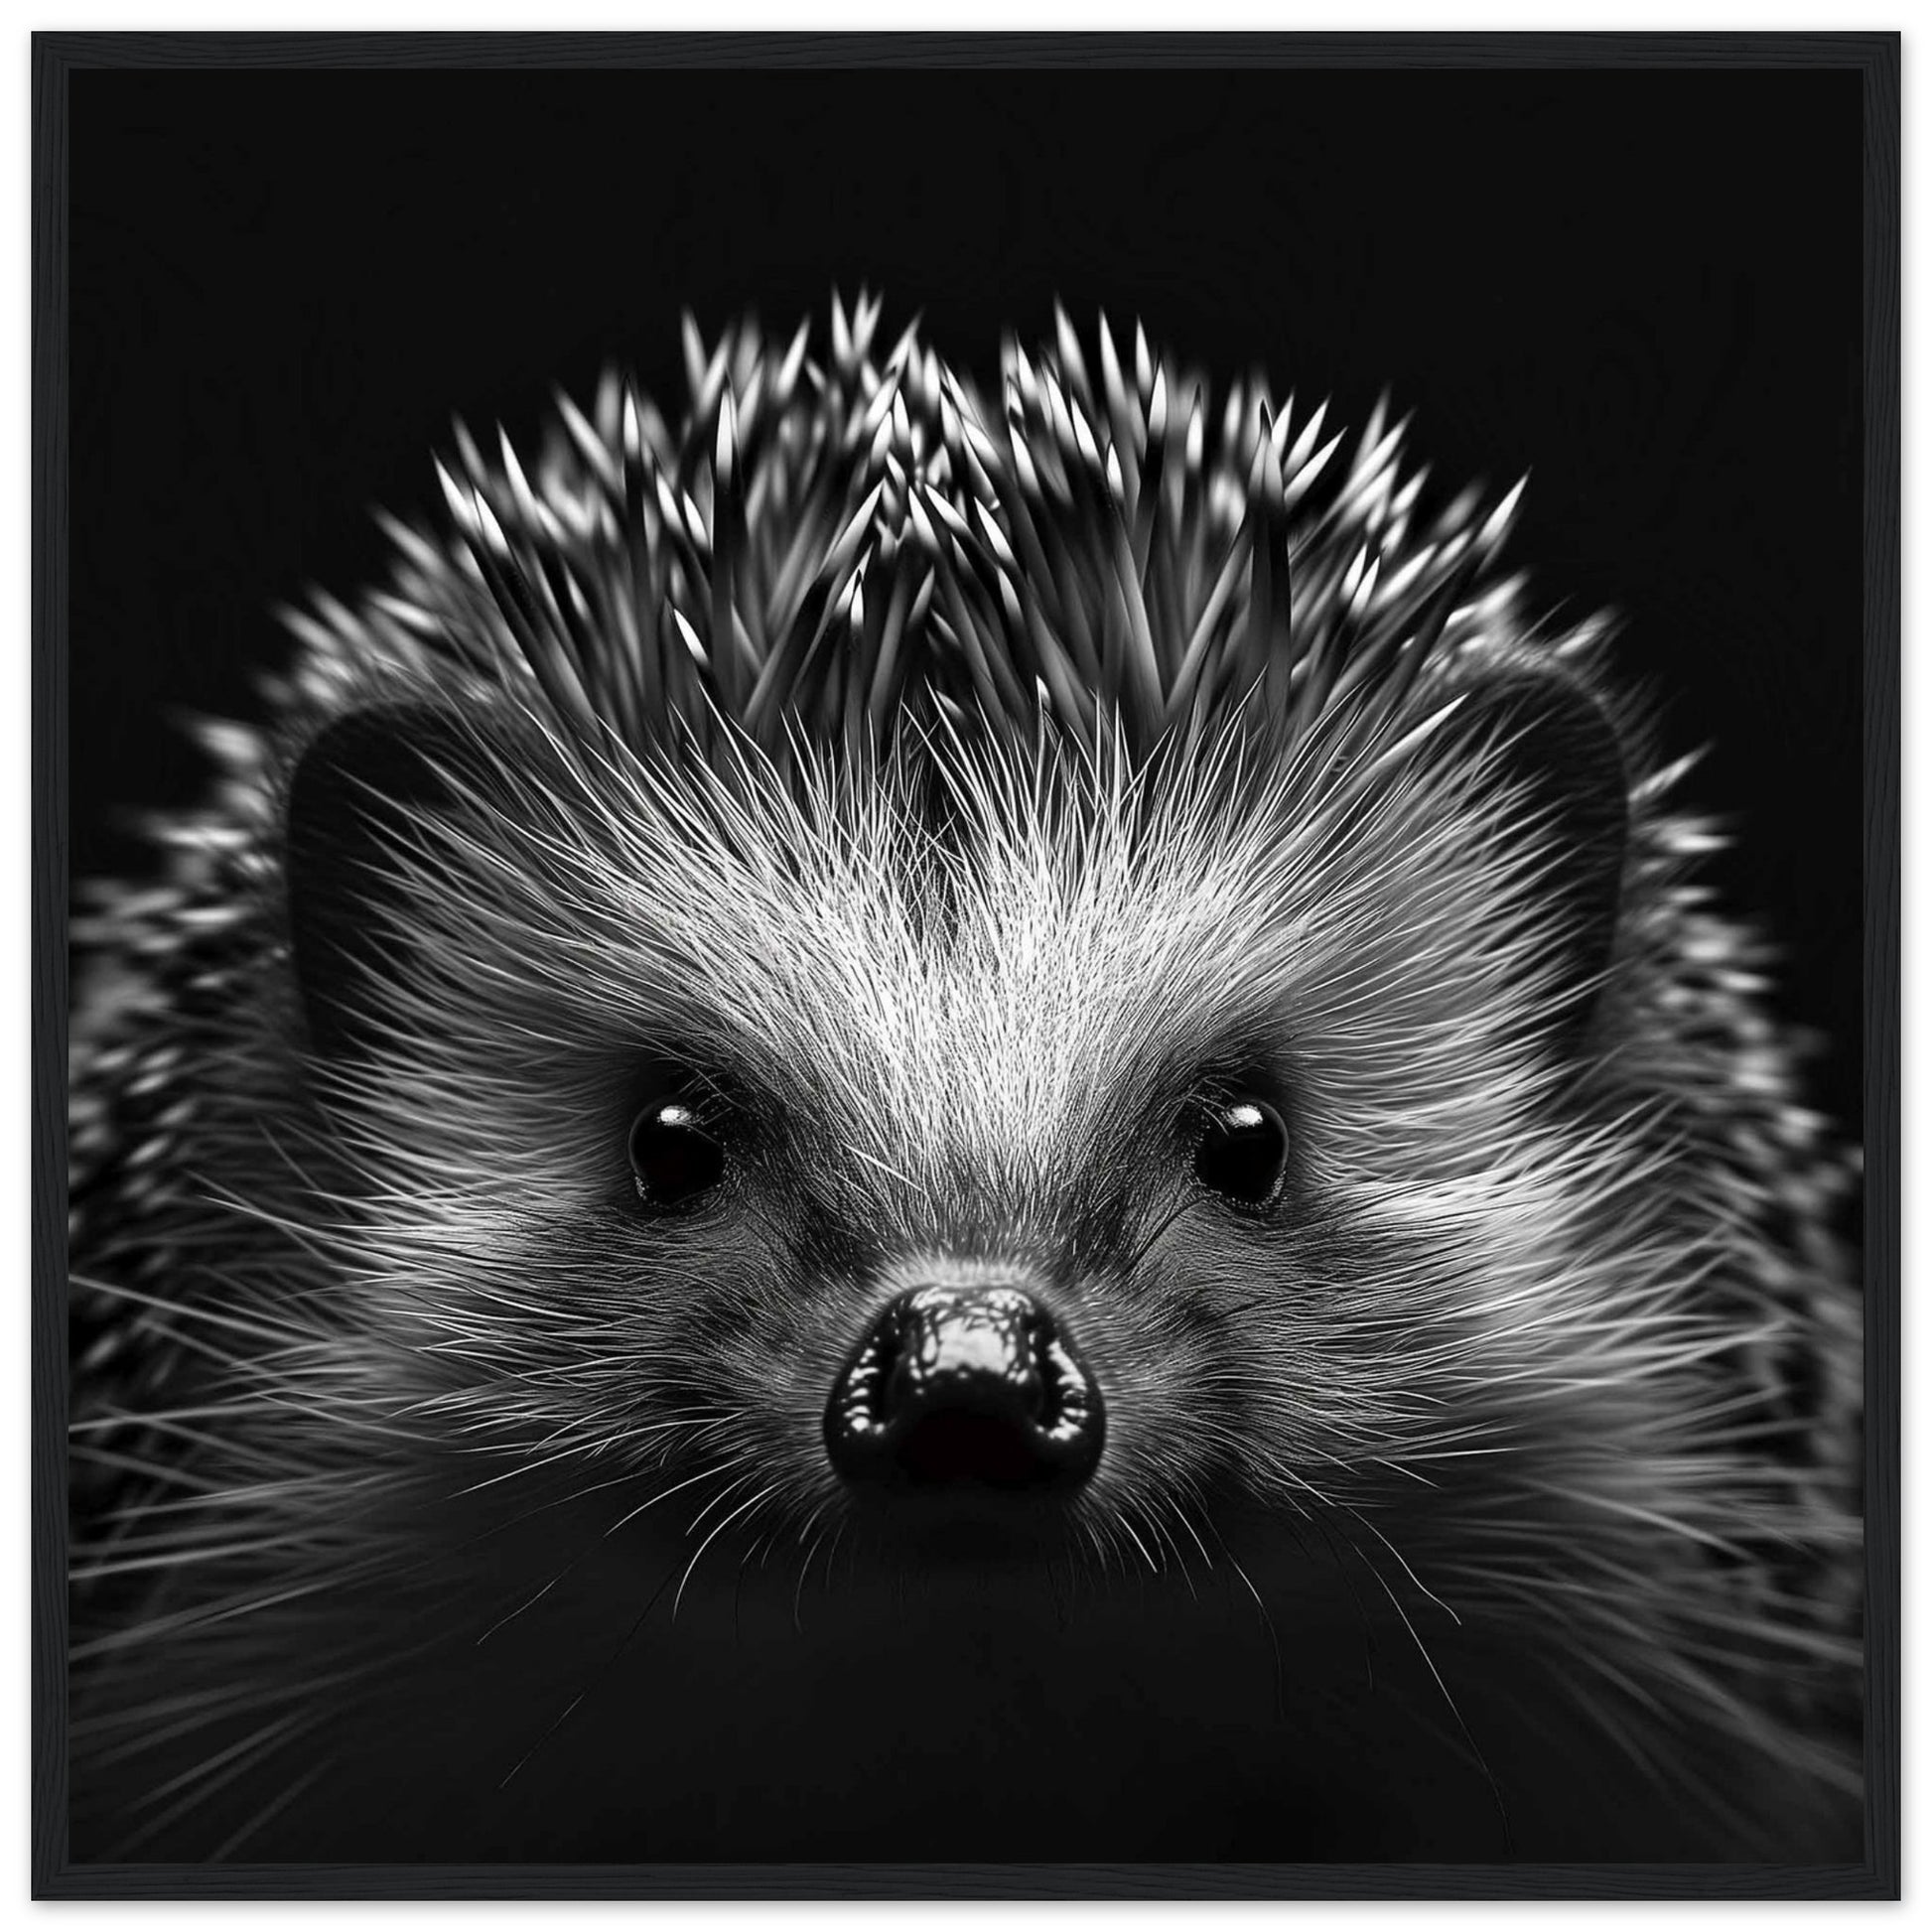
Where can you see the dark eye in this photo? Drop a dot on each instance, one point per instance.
(1244, 1152)
(673, 1154)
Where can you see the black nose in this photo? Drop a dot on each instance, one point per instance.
(965, 1385)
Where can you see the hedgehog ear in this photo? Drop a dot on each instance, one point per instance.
(1540, 731)
(360, 791)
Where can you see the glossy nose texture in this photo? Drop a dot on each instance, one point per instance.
(965, 1385)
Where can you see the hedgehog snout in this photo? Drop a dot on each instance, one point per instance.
(965, 1386)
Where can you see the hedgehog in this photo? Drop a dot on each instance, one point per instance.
(924, 1123)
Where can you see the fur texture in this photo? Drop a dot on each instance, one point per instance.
(956, 792)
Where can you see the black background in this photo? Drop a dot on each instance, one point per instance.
(1642, 287)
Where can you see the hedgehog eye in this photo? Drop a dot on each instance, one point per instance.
(1243, 1154)
(673, 1155)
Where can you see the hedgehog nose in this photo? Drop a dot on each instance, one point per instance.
(958, 1386)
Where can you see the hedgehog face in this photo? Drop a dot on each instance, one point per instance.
(1119, 1157)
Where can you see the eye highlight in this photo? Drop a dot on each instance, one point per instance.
(673, 1156)
(1242, 1154)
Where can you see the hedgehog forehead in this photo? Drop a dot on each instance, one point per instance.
(986, 1007)
(1060, 947)
(1020, 996)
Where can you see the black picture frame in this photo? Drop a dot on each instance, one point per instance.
(60, 60)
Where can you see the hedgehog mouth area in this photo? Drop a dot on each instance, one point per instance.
(963, 1528)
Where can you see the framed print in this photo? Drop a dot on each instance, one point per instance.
(1042, 1042)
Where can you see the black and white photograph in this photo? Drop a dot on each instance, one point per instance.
(966, 965)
